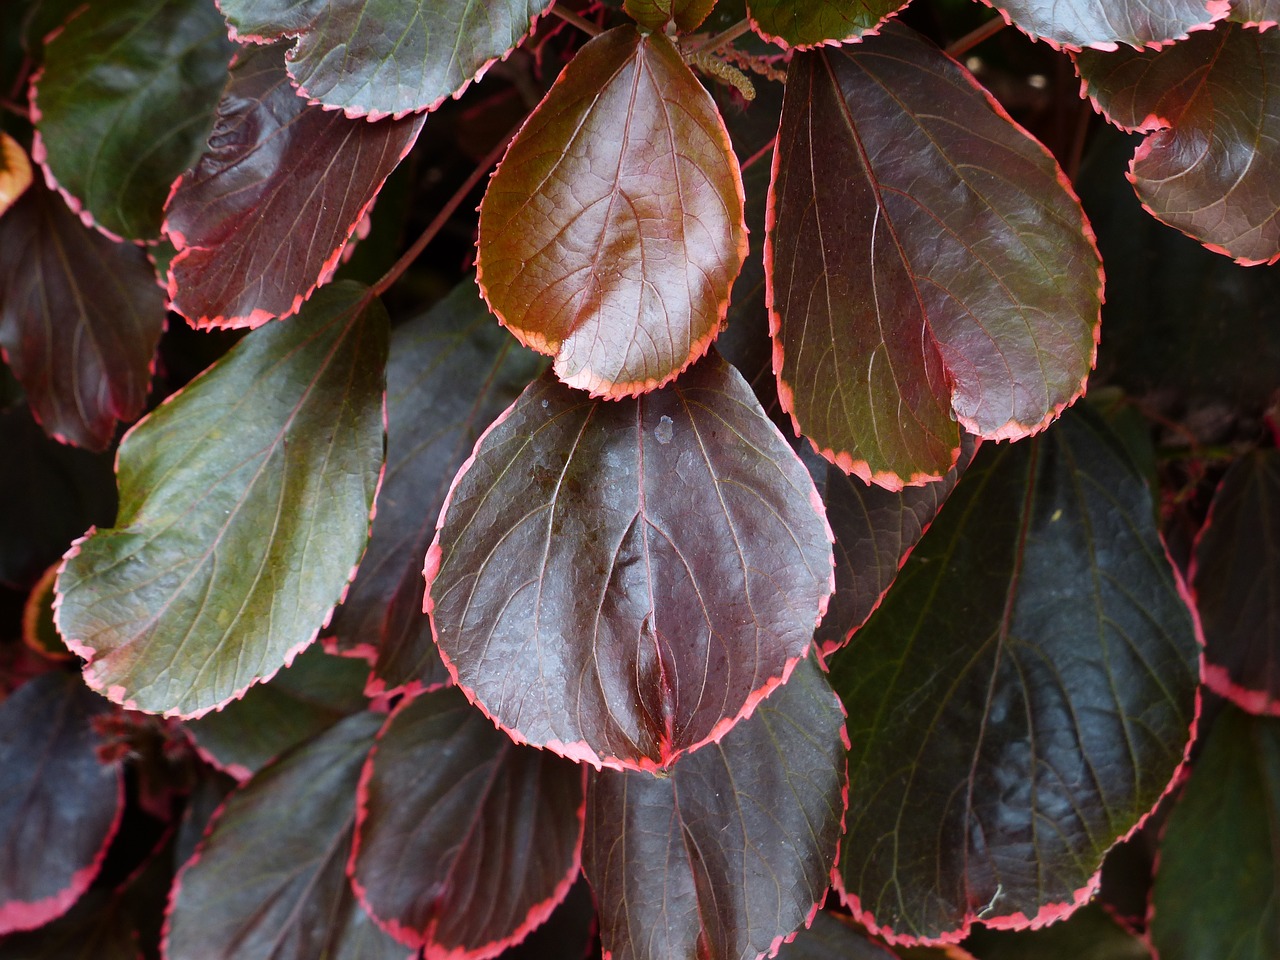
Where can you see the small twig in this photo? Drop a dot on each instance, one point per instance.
(760, 154)
(713, 44)
(976, 36)
(582, 23)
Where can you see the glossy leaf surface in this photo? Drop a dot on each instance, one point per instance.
(651, 567)
(1091, 933)
(113, 78)
(244, 508)
(60, 805)
(1211, 107)
(612, 231)
(464, 840)
(79, 320)
(1106, 23)
(1215, 886)
(268, 881)
(1021, 698)
(914, 289)
(262, 218)
(732, 851)
(656, 14)
(451, 371)
(803, 23)
(379, 57)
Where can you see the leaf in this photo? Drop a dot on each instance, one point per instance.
(803, 23)
(38, 630)
(451, 372)
(1209, 105)
(299, 703)
(656, 14)
(15, 171)
(376, 58)
(651, 568)
(1262, 14)
(267, 882)
(1104, 24)
(914, 290)
(466, 855)
(244, 508)
(1091, 933)
(1235, 577)
(124, 104)
(612, 231)
(262, 218)
(80, 318)
(1021, 698)
(60, 805)
(731, 852)
(830, 937)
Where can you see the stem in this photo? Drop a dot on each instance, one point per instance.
(441, 218)
(976, 36)
(582, 23)
(720, 39)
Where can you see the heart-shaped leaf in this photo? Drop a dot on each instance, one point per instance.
(451, 371)
(1106, 23)
(114, 77)
(1237, 569)
(612, 231)
(914, 289)
(1021, 698)
(60, 805)
(731, 852)
(1091, 932)
(244, 509)
(262, 218)
(656, 14)
(1212, 108)
(804, 23)
(268, 881)
(466, 854)
(80, 318)
(649, 568)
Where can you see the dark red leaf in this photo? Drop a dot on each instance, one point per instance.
(60, 805)
(612, 231)
(268, 881)
(656, 14)
(804, 23)
(80, 317)
(124, 104)
(1106, 23)
(262, 218)
(832, 937)
(466, 854)
(1091, 933)
(914, 289)
(732, 851)
(244, 509)
(569, 933)
(649, 568)
(1236, 578)
(1021, 698)
(1208, 164)
(450, 372)
(376, 58)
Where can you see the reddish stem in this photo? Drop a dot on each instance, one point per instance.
(582, 23)
(976, 36)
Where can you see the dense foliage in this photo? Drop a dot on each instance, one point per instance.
(705, 549)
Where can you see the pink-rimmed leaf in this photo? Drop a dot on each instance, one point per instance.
(1237, 584)
(450, 372)
(833, 937)
(1262, 14)
(262, 218)
(1022, 697)
(612, 231)
(1090, 932)
(377, 58)
(622, 581)
(656, 14)
(804, 23)
(60, 805)
(1211, 107)
(268, 881)
(1104, 24)
(123, 105)
(244, 508)
(732, 851)
(80, 317)
(466, 854)
(914, 289)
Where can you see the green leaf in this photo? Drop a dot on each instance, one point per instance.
(1091, 933)
(244, 508)
(809, 23)
(656, 14)
(612, 231)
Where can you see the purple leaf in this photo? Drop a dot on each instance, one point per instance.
(1212, 115)
(803, 23)
(60, 805)
(648, 569)
(80, 317)
(914, 290)
(1106, 23)
(244, 509)
(1236, 579)
(464, 855)
(732, 851)
(262, 218)
(1021, 698)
